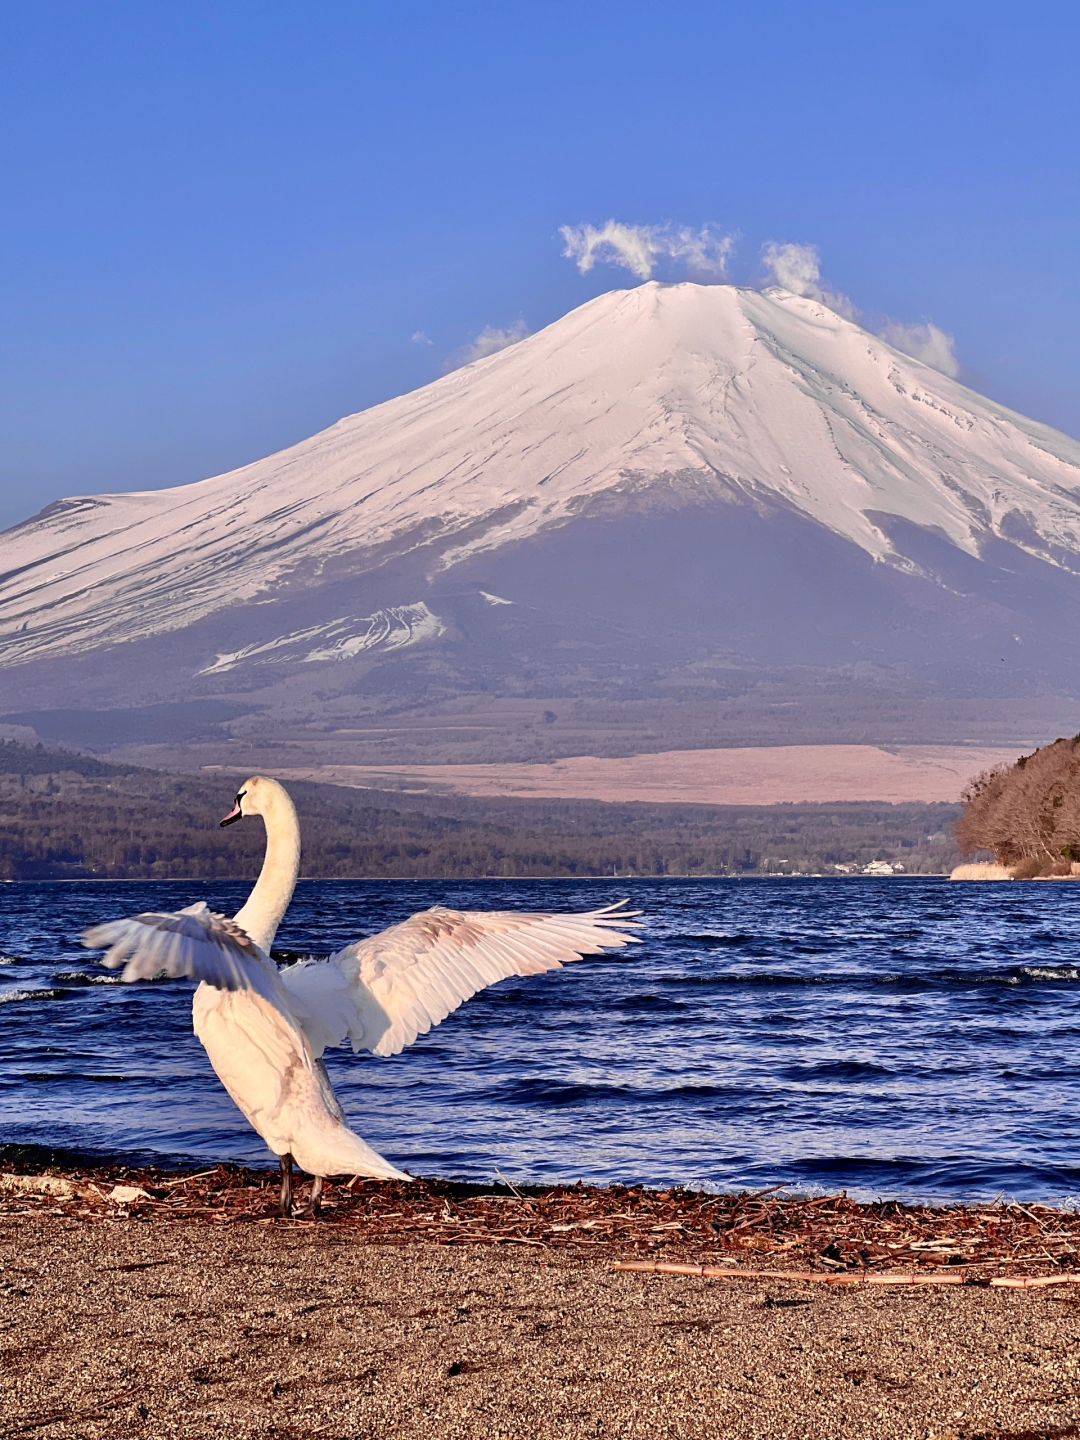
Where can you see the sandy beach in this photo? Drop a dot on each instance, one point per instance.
(161, 1317)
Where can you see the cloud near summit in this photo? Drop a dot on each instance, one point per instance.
(704, 254)
(641, 248)
(798, 268)
(926, 343)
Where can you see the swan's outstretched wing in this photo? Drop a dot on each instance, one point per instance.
(383, 992)
(193, 943)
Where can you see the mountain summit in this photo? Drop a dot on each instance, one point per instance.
(670, 482)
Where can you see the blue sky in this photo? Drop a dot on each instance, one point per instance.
(223, 223)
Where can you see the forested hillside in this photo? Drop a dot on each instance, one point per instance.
(67, 815)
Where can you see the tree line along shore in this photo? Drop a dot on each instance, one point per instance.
(71, 816)
(65, 815)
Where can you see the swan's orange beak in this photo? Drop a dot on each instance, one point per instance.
(231, 818)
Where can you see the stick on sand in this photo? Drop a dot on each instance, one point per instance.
(860, 1277)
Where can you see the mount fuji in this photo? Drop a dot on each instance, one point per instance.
(676, 495)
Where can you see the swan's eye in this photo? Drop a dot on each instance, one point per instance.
(240, 795)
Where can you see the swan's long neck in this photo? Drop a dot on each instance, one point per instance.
(267, 903)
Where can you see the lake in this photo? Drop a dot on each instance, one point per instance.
(902, 1038)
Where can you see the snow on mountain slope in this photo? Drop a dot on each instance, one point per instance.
(671, 395)
(396, 628)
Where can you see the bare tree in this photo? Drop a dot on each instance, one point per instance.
(1028, 813)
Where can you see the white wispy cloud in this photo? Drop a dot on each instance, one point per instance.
(927, 343)
(798, 268)
(491, 339)
(418, 337)
(705, 253)
(488, 341)
(640, 248)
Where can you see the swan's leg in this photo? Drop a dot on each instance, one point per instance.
(312, 1210)
(286, 1186)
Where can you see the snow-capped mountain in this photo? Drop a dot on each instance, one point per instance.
(684, 475)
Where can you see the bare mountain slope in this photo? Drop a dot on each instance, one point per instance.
(674, 491)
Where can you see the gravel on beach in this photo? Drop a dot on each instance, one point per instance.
(287, 1329)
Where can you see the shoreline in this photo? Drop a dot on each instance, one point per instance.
(474, 879)
(439, 1312)
(829, 1233)
(983, 874)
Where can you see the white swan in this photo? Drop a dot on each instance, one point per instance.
(264, 1029)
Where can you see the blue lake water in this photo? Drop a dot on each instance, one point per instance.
(906, 1038)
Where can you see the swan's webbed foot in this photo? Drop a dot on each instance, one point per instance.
(286, 1186)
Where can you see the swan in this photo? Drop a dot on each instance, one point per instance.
(265, 1029)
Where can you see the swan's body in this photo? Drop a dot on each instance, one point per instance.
(258, 1049)
(265, 1030)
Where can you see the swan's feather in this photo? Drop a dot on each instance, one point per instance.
(193, 943)
(381, 993)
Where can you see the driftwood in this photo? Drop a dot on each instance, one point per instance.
(57, 1185)
(863, 1277)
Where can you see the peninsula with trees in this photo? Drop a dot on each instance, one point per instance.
(1022, 821)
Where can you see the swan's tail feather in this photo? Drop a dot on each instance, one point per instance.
(344, 1153)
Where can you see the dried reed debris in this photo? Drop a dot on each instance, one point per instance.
(773, 1228)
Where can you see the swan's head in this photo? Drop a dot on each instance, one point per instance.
(256, 796)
